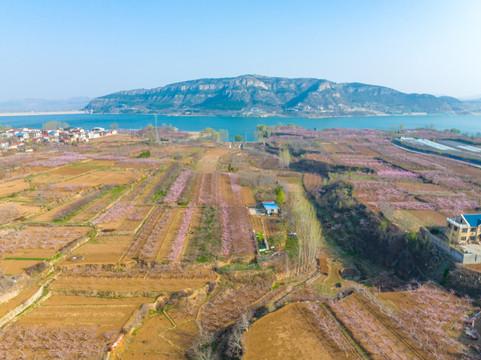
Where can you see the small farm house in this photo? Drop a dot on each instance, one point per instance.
(270, 207)
(464, 229)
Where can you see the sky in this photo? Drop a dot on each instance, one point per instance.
(61, 49)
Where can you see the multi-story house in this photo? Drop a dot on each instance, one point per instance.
(464, 229)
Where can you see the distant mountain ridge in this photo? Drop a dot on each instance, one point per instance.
(255, 95)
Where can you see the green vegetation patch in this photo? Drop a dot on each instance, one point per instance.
(206, 243)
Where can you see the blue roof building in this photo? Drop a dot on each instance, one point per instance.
(473, 220)
(270, 207)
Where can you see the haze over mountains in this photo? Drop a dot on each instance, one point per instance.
(255, 95)
(43, 105)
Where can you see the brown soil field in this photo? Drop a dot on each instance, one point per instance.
(48, 178)
(182, 337)
(226, 190)
(101, 163)
(141, 283)
(418, 188)
(157, 340)
(323, 263)
(289, 333)
(71, 171)
(148, 342)
(366, 150)
(32, 253)
(208, 163)
(411, 220)
(474, 267)
(28, 292)
(66, 311)
(14, 267)
(429, 217)
(466, 170)
(336, 148)
(248, 196)
(257, 223)
(13, 186)
(104, 249)
(105, 177)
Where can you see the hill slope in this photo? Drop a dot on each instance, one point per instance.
(254, 95)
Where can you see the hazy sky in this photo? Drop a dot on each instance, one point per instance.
(59, 49)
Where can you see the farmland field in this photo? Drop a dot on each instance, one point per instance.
(71, 311)
(104, 177)
(12, 211)
(291, 333)
(126, 247)
(103, 249)
(158, 339)
(40, 242)
(14, 267)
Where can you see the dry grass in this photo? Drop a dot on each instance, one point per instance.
(72, 311)
(14, 267)
(290, 333)
(105, 177)
(105, 249)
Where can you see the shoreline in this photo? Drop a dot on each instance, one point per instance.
(33, 113)
(234, 116)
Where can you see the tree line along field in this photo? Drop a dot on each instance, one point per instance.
(105, 253)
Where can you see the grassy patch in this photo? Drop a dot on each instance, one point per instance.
(292, 246)
(117, 192)
(206, 244)
(238, 267)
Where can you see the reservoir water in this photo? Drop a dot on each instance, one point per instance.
(246, 126)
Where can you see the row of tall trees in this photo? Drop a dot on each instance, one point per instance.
(308, 229)
(284, 157)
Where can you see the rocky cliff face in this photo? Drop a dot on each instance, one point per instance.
(253, 95)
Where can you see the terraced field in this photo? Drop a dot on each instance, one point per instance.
(160, 261)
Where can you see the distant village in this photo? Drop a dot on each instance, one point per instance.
(21, 138)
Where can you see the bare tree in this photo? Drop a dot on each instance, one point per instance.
(284, 157)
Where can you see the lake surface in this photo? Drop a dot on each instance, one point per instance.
(246, 126)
